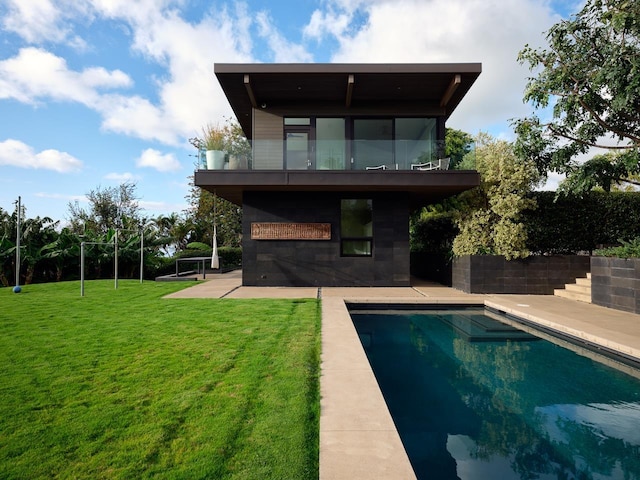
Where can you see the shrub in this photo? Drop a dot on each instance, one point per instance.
(629, 249)
(574, 224)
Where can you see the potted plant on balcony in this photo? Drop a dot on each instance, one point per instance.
(238, 146)
(214, 143)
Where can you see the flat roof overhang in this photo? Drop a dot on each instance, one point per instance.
(433, 89)
(423, 188)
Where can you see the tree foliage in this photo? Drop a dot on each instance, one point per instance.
(457, 145)
(207, 210)
(590, 76)
(490, 223)
(109, 208)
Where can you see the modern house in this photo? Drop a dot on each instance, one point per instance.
(341, 154)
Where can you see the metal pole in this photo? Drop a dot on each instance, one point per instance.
(142, 255)
(116, 261)
(18, 242)
(82, 269)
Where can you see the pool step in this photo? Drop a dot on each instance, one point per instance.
(580, 290)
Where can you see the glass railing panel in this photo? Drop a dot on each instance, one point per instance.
(337, 155)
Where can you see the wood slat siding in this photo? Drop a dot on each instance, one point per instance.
(267, 136)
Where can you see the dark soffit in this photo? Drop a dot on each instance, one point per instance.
(383, 88)
(423, 187)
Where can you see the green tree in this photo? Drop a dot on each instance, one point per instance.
(590, 76)
(109, 208)
(490, 221)
(64, 252)
(172, 232)
(457, 145)
(35, 233)
(207, 209)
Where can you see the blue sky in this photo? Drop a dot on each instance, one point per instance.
(97, 92)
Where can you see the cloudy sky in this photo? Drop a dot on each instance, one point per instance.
(97, 92)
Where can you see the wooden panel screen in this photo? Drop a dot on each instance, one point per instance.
(290, 231)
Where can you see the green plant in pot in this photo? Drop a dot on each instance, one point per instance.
(238, 146)
(214, 142)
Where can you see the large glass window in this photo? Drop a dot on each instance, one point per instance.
(415, 141)
(356, 227)
(344, 143)
(297, 155)
(330, 144)
(372, 143)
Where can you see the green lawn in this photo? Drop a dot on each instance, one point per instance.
(125, 384)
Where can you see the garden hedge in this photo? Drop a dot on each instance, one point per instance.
(563, 225)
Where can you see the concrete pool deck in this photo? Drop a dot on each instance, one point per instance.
(358, 439)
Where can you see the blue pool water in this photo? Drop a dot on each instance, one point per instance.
(473, 398)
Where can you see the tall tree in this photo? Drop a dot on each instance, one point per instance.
(490, 220)
(208, 210)
(590, 76)
(457, 145)
(109, 208)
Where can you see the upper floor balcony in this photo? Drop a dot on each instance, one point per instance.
(298, 152)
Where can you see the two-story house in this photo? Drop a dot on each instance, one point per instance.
(341, 154)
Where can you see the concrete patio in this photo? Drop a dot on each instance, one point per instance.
(358, 439)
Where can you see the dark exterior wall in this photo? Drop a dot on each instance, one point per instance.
(318, 262)
(615, 283)
(537, 275)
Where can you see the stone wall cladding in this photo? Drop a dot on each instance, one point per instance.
(537, 275)
(318, 262)
(615, 283)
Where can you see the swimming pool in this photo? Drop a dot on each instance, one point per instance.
(475, 398)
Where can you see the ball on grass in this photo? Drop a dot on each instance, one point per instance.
(17, 289)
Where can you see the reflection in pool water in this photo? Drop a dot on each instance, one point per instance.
(473, 398)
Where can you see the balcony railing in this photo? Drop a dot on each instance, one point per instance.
(337, 155)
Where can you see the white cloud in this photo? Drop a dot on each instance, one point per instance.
(162, 162)
(189, 95)
(491, 32)
(18, 154)
(283, 50)
(125, 177)
(33, 20)
(35, 75)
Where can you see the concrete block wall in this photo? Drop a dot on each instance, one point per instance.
(537, 275)
(318, 262)
(615, 283)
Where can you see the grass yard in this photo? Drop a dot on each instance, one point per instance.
(125, 384)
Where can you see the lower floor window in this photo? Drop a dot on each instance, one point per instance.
(356, 248)
(356, 227)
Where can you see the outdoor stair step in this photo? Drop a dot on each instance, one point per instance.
(581, 297)
(573, 287)
(580, 290)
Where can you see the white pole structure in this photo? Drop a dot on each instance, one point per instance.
(142, 255)
(82, 269)
(18, 235)
(116, 262)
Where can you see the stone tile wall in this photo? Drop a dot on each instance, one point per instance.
(537, 275)
(318, 262)
(615, 283)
